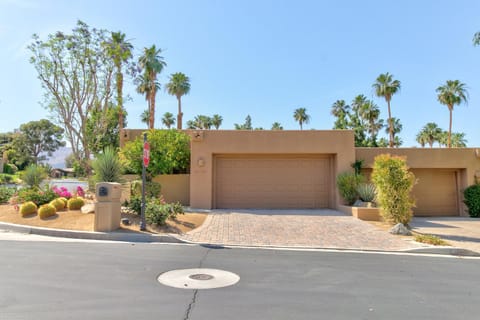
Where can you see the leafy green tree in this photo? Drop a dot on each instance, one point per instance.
(120, 50)
(169, 153)
(300, 115)
(35, 138)
(168, 120)
(76, 72)
(217, 121)
(340, 110)
(430, 133)
(394, 184)
(152, 64)
(386, 87)
(247, 125)
(178, 86)
(452, 93)
(107, 121)
(276, 126)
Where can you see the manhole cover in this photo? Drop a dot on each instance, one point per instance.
(201, 276)
(198, 278)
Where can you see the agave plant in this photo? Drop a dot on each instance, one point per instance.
(366, 192)
(107, 166)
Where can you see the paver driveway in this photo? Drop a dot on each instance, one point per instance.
(295, 228)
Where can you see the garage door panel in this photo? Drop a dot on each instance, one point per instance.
(272, 182)
(436, 192)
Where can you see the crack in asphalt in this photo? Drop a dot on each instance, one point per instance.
(195, 292)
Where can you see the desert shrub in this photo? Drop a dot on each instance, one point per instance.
(472, 200)
(34, 175)
(65, 200)
(135, 204)
(10, 168)
(75, 203)
(152, 189)
(394, 183)
(47, 210)
(366, 192)
(157, 211)
(58, 203)
(28, 208)
(347, 183)
(36, 195)
(430, 239)
(107, 166)
(5, 178)
(5, 194)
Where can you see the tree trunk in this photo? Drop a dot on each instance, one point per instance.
(390, 124)
(450, 128)
(180, 114)
(153, 93)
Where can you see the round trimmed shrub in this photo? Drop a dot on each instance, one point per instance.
(58, 203)
(75, 203)
(28, 208)
(47, 210)
(65, 200)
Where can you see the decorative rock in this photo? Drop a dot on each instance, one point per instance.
(125, 221)
(358, 203)
(88, 208)
(400, 228)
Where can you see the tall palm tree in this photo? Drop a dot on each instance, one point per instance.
(340, 111)
(145, 117)
(152, 64)
(386, 87)
(432, 133)
(178, 86)
(120, 50)
(422, 138)
(276, 126)
(397, 128)
(300, 115)
(217, 121)
(370, 112)
(168, 120)
(450, 94)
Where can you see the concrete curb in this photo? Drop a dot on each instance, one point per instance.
(91, 235)
(170, 238)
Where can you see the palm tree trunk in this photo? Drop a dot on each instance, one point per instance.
(153, 93)
(120, 98)
(180, 114)
(450, 128)
(390, 124)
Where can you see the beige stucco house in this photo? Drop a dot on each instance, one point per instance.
(297, 169)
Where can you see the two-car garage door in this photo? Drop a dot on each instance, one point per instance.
(273, 181)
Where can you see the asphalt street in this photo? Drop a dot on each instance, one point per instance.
(87, 280)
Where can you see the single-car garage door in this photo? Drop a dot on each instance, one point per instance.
(436, 192)
(273, 181)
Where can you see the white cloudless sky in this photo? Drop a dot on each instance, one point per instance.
(265, 58)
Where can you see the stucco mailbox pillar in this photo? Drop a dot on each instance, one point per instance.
(107, 206)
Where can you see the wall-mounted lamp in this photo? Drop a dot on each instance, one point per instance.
(201, 162)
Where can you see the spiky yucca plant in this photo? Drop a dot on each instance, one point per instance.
(107, 166)
(366, 192)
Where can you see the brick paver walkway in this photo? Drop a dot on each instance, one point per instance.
(295, 228)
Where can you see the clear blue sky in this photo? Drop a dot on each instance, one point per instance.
(268, 57)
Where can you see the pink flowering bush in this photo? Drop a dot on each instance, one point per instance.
(62, 192)
(80, 192)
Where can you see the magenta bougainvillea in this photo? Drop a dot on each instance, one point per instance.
(62, 192)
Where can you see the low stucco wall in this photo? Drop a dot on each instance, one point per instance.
(175, 187)
(362, 213)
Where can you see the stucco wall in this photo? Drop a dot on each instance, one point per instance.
(175, 187)
(205, 144)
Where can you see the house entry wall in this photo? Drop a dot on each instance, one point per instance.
(273, 181)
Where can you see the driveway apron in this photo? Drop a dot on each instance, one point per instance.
(295, 228)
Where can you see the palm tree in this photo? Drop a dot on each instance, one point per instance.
(178, 86)
(386, 87)
(458, 140)
(422, 138)
(168, 120)
(370, 112)
(152, 64)
(432, 133)
(145, 117)
(300, 115)
(217, 121)
(120, 50)
(340, 111)
(276, 126)
(397, 128)
(452, 93)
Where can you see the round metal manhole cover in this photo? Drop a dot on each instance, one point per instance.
(198, 278)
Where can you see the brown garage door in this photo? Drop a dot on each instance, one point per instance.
(436, 192)
(274, 181)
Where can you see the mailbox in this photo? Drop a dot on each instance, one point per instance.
(108, 191)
